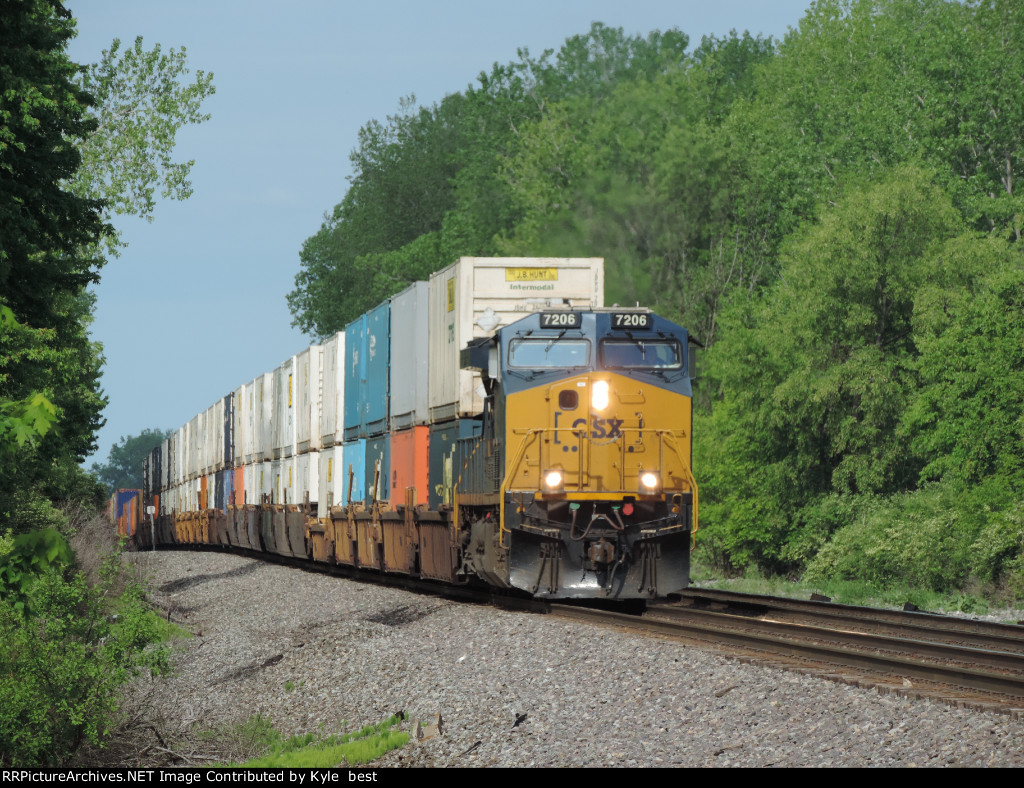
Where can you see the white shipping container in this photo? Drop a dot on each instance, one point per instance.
(331, 488)
(284, 409)
(263, 417)
(332, 399)
(211, 447)
(307, 394)
(193, 439)
(238, 419)
(179, 456)
(263, 483)
(250, 493)
(307, 481)
(279, 485)
(166, 451)
(477, 295)
(410, 353)
(249, 403)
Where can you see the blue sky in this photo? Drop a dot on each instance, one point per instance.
(195, 306)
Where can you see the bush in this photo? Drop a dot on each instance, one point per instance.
(941, 538)
(66, 647)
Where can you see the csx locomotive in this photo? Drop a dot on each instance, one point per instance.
(574, 480)
(581, 483)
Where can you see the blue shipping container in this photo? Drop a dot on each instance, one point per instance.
(378, 369)
(353, 455)
(378, 450)
(355, 377)
(441, 452)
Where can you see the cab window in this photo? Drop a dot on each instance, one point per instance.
(641, 354)
(548, 353)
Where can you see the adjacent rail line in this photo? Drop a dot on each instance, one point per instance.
(959, 661)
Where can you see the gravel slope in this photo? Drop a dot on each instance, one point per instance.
(355, 653)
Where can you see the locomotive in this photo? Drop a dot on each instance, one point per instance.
(574, 479)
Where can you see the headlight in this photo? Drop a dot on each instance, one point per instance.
(650, 483)
(553, 481)
(599, 395)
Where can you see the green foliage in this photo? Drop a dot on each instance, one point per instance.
(66, 651)
(935, 539)
(141, 101)
(31, 556)
(123, 468)
(76, 146)
(315, 751)
(835, 215)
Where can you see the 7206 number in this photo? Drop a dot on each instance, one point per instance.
(631, 320)
(560, 320)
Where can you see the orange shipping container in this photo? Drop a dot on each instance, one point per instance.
(238, 494)
(409, 462)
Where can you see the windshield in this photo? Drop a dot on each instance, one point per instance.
(641, 354)
(548, 353)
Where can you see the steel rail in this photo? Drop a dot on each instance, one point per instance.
(1009, 633)
(738, 632)
(927, 627)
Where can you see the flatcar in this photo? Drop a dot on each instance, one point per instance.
(571, 478)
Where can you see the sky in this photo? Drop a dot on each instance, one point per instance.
(195, 306)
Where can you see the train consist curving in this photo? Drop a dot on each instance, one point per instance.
(496, 425)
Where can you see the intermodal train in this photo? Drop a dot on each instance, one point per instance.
(496, 425)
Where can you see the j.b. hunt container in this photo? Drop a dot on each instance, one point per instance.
(476, 295)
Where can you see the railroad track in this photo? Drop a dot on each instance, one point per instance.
(962, 662)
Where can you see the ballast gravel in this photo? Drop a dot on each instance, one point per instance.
(312, 652)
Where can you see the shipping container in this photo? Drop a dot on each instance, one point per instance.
(307, 395)
(238, 495)
(331, 489)
(378, 365)
(239, 425)
(250, 484)
(180, 440)
(284, 409)
(332, 405)
(378, 463)
(476, 295)
(355, 377)
(367, 354)
(410, 461)
(353, 471)
(307, 485)
(441, 451)
(263, 486)
(263, 417)
(410, 349)
(249, 421)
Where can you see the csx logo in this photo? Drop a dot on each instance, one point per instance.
(600, 429)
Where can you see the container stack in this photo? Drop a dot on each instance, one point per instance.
(375, 411)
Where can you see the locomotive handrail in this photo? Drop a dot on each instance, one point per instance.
(509, 473)
(689, 476)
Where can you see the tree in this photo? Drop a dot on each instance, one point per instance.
(123, 468)
(141, 101)
(817, 376)
(54, 213)
(45, 261)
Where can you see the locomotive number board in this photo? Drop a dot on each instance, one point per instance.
(560, 320)
(631, 320)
